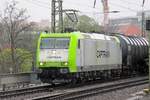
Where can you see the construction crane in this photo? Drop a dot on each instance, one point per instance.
(106, 13)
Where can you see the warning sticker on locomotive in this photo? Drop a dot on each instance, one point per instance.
(102, 53)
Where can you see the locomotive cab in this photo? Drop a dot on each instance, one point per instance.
(56, 55)
(54, 52)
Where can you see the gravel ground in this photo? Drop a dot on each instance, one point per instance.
(132, 93)
(146, 98)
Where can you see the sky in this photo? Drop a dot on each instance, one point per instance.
(41, 9)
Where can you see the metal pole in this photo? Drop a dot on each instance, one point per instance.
(53, 16)
(149, 58)
(60, 10)
(143, 17)
(57, 14)
(148, 31)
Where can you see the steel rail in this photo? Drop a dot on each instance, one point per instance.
(25, 91)
(90, 91)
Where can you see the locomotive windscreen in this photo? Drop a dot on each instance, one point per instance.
(54, 43)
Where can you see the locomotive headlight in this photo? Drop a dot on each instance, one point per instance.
(65, 63)
(41, 64)
(54, 52)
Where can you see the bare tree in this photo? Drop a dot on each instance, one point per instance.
(14, 22)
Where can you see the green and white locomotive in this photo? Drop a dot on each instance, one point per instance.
(82, 56)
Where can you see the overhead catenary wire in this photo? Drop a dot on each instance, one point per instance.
(124, 7)
(87, 6)
(38, 4)
(46, 5)
(133, 10)
(43, 2)
(130, 2)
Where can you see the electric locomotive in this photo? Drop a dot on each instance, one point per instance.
(83, 56)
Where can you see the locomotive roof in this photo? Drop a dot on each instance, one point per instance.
(96, 36)
(79, 35)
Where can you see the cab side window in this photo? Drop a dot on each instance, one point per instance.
(79, 44)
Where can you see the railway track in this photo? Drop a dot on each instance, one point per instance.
(25, 91)
(82, 92)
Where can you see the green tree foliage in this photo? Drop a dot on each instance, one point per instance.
(84, 24)
(28, 41)
(23, 57)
